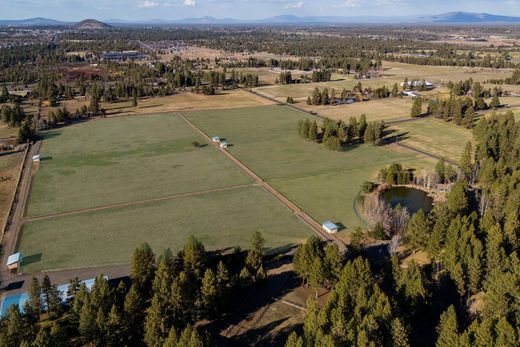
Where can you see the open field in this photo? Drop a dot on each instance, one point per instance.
(435, 136)
(8, 132)
(393, 73)
(9, 168)
(196, 52)
(323, 183)
(220, 220)
(379, 109)
(512, 103)
(125, 159)
(178, 102)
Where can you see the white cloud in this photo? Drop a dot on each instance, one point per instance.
(190, 2)
(350, 3)
(148, 4)
(294, 5)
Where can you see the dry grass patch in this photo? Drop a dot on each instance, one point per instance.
(9, 171)
(435, 136)
(378, 109)
(174, 103)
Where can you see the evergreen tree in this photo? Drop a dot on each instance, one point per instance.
(416, 107)
(399, 334)
(143, 269)
(466, 162)
(313, 131)
(447, 330)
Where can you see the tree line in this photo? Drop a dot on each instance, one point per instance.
(467, 294)
(159, 306)
(335, 134)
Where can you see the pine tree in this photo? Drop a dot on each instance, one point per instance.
(114, 327)
(134, 97)
(13, 327)
(447, 330)
(210, 293)
(362, 126)
(134, 312)
(416, 107)
(469, 117)
(87, 324)
(34, 302)
(294, 340)
(313, 131)
(418, 231)
(51, 297)
(143, 269)
(156, 326)
(466, 162)
(506, 334)
(495, 102)
(399, 334)
(458, 202)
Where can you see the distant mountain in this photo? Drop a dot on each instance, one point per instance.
(448, 18)
(288, 19)
(468, 17)
(207, 20)
(32, 22)
(91, 24)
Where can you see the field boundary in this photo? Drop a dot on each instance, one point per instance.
(18, 180)
(303, 216)
(131, 203)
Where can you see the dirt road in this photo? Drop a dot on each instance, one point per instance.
(131, 203)
(316, 227)
(10, 237)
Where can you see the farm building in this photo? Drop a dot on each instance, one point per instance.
(14, 260)
(424, 85)
(124, 55)
(223, 144)
(215, 139)
(411, 94)
(330, 227)
(444, 188)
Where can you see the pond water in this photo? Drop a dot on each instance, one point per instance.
(412, 199)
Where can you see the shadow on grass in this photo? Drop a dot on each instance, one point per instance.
(258, 296)
(51, 134)
(48, 157)
(394, 136)
(30, 259)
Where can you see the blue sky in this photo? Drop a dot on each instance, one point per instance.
(242, 9)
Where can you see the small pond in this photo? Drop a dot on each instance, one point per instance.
(412, 199)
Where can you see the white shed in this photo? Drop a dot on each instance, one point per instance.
(330, 227)
(14, 260)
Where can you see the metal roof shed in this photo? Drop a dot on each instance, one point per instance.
(13, 261)
(330, 227)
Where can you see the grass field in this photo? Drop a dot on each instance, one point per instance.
(379, 109)
(124, 159)
(8, 132)
(393, 73)
(323, 183)
(220, 220)
(178, 102)
(435, 136)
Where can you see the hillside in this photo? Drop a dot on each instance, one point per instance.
(467, 17)
(91, 24)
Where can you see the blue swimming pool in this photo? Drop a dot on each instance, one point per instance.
(8, 301)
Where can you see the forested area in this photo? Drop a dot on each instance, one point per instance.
(467, 296)
(160, 305)
(336, 134)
